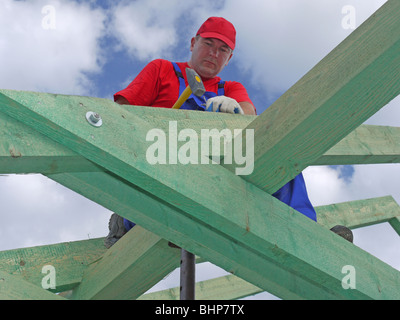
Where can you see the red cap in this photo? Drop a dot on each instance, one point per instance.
(219, 28)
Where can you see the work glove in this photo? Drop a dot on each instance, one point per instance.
(223, 104)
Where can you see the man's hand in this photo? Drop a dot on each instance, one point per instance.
(223, 104)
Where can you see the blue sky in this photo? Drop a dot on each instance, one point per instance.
(96, 48)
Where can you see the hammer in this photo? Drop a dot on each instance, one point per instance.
(195, 86)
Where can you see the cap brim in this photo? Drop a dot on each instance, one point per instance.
(218, 36)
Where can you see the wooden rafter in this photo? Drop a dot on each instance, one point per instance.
(253, 235)
(25, 150)
(74, 259)
(143, 259)
(348, 86)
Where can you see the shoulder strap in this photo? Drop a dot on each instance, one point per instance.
(181, 79)
(221, 88)
(178, 72)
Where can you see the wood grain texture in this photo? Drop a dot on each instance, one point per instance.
(278, 253)
(138, 261)
(354, 81)
(356, 214)
(365, 145)
(223, 288)
(14, 288)
(252, 234)
(24, 150)
(242, 222)
(69, 259)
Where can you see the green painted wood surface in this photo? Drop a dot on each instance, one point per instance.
(291, 264)
(14, 288)
(234, 221)
(24, 150)
(69, 259)
(354, 81)
(223, 288)
(280, 239)
(138, 261)
(365, 145)
(395, 223)
(361, 213)
(242, 222)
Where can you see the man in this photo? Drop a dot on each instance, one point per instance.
(161, 82)
(157, 84)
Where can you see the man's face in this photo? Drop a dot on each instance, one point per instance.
(209, 56)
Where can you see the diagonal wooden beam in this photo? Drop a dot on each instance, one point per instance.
(266, 234)
(354, 81)
(126, 159)
(228, 287)
(356, 214)
(69, 260)
(72, 259)
(365, 145)
(299, 272)
(257, 225)
(15, 288)
(138, 261)
(24, 150)
(395, 223)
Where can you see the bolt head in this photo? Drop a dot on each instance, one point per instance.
(94, 119)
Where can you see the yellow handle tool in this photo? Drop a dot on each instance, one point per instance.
(184, 96)
(195, 86)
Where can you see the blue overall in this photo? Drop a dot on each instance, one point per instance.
(294, 193)
(195, 102)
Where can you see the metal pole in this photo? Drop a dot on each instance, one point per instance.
(188, 266)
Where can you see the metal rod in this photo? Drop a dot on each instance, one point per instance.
(188, 268)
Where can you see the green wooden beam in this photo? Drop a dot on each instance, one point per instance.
(356, 214)
(243, 220)
(228, 287)
(354, 81)
(24, 150)
(138, 261)
(365, 145)
(271, 239)
(353, 214)
(72, 259)
(69, 260)
(395, 223)
(14, 288)
(300, 272)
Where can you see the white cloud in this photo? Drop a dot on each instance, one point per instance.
(324, 185)
(279, 41)
(160, 29)
(371, 181)
(148, 30)
(389, 115)
(49, 45)
(38, 211)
